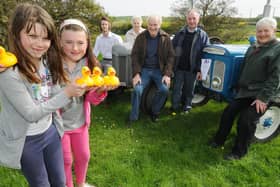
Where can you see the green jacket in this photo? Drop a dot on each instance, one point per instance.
(166, 53)
(260, 73)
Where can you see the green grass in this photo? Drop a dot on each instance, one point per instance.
(170, 153)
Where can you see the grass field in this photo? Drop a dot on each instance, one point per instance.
(170, 153)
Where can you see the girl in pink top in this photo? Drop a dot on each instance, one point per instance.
(77, 52)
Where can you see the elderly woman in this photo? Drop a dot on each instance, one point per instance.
(130, 36)
(258, 84)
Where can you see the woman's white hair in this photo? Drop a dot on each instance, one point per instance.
(267, 21)
(139, 18)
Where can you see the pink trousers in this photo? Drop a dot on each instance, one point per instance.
(75, 146)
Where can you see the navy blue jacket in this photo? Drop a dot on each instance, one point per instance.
(200, 40)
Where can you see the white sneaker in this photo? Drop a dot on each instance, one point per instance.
(88, 185)
(187, 109)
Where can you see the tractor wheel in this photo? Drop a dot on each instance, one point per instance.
(199, 99)
(269, 124)
(147, 98)
(200, 95)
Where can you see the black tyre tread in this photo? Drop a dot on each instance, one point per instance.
(147, 97)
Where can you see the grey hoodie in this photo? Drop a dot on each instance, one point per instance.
(19, 110)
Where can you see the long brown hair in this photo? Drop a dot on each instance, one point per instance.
(25, 17)
(92, 61)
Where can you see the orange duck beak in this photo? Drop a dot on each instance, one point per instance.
(97, 71)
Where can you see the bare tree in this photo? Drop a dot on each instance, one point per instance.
(216, 15)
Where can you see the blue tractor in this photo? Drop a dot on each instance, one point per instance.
(220, 82)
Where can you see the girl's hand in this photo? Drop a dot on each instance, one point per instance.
(106, 88)
(109, 88)
(74, 90)
(2, 68)
(102, 89)
(92, 88)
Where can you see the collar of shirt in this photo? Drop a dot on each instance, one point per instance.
(191, 31)
(109, 34)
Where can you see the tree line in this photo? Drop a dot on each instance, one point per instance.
(217, 17)
(86, 10)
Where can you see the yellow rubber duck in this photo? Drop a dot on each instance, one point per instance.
(7, 59)
(86, 77)
(111, 79)
(96, 76)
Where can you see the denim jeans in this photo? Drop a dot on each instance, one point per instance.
(159, 99)
(183, 89)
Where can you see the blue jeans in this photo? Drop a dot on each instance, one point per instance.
(159, 99)
(42, 160)
(183, 89)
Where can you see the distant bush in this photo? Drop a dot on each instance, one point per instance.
(122, 28)
(232, 30)
(122, 24)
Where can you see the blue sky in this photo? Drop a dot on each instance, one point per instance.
(246, 8)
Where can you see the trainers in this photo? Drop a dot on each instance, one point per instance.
(130, 122)
(85, 185)
(187, 109)
(232, 156)
(154, 118)
(88, 185)
(215, 145)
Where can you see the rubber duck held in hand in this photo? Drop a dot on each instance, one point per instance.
(86, 77)
(111, 79)
(96, 77)
(7, 59)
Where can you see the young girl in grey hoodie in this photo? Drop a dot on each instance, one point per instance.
(30, 126)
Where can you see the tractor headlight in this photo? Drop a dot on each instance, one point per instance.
(216, 82)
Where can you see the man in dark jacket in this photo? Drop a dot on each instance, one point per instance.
(152, 60)
(188, 44)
